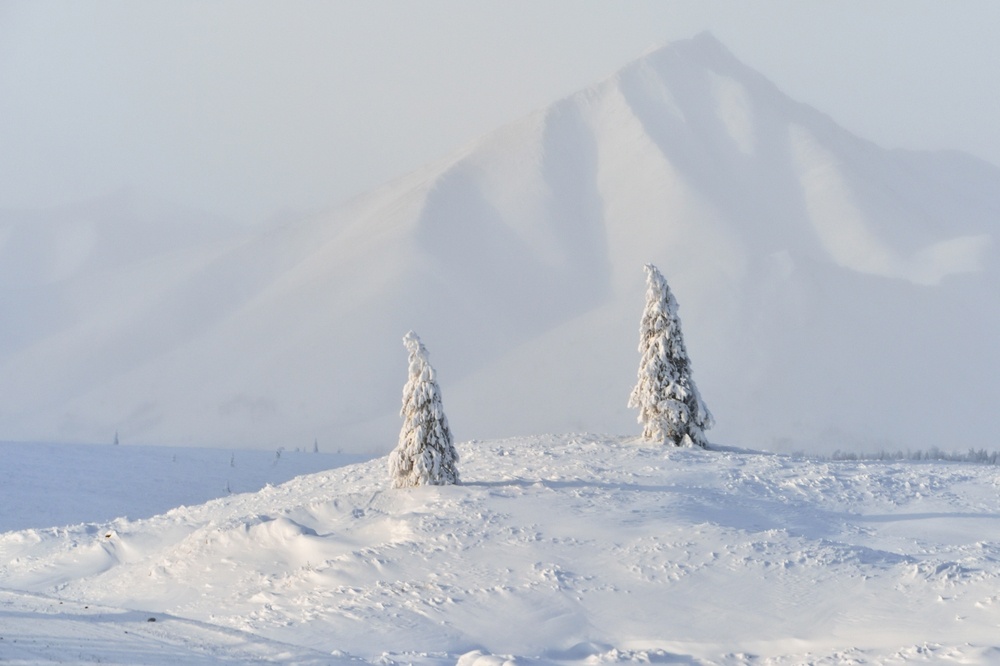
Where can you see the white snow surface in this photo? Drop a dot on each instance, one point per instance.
(60, 484)
(556, 549)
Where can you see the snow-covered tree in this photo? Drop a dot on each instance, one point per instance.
(670, 408)
(425, 454)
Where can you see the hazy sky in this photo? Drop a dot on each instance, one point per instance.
(245, 108)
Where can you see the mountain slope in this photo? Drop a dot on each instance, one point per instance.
(830, 290)
(562, 549)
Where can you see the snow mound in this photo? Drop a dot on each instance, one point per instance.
(563, 549)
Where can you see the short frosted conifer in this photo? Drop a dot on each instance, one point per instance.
(425, 454)
(670, 408)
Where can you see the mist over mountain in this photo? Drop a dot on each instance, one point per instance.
(833, 294)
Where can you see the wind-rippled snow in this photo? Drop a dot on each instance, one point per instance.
(556, 549)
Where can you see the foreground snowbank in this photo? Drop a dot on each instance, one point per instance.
(560, 549)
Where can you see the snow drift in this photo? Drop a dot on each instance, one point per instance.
(575, 549)
(833, 293)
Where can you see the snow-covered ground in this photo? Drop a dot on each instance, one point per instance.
(61, 484)
(568, 549)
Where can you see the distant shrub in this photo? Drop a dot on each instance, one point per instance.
(981, 456)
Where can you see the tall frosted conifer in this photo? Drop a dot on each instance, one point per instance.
(425, 454)
(670, 408)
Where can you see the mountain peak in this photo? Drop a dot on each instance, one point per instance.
(520, 257)
(704, 49)
(706, 43)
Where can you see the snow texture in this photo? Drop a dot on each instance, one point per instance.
(671, 410)
(426, 453)
(556, 550)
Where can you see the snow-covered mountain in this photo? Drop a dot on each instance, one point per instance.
(575, 550)
(833, 293)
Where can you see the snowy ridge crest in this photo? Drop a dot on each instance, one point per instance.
(799, 251)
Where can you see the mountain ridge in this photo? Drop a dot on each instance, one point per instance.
(523, 250)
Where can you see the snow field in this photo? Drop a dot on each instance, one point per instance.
(566, 549)
(38, 629)
(60, 484)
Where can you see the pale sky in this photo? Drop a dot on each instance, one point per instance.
(245, 108)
